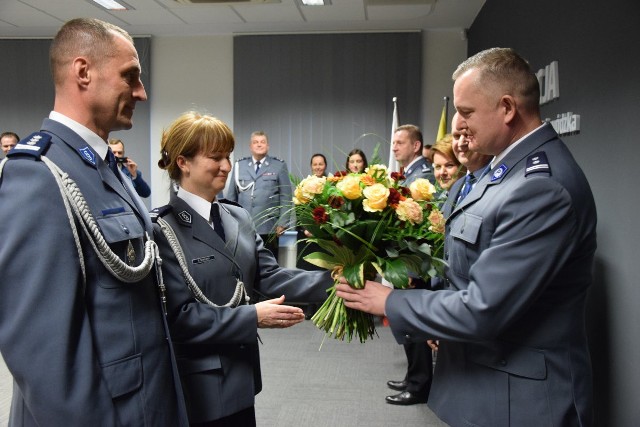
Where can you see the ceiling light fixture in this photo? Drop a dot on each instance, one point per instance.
(316, 2)
(113, 5)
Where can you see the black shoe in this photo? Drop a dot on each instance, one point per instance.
(405, 398)
(397, 385)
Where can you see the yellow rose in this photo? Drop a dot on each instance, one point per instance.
(308, 188)
(437, 221)
(313, 184)
(299, 198)
(350, 187)
(409, 210)
(375, 198)
(421, 189)
(377, 171)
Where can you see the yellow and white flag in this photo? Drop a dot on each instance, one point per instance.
(442, 128)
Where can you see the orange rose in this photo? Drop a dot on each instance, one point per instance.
(409, 210)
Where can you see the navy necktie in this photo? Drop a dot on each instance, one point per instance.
(469, 180)
(111, 161)
(217, 221)
(257, 166)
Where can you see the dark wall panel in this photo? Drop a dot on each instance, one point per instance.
(322, 93)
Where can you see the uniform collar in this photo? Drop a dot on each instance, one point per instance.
(497, 159)
(201, 206)
(98, 144)
(409, 167)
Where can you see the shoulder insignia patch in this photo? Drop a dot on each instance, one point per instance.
(497, 174)
(159, 212)
(280, 160)
(537, 163)
(35, 145)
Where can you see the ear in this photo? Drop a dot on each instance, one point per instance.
(183, 164)
(509, 108)
(81, 71)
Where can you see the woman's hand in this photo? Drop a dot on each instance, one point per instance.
(272, 314)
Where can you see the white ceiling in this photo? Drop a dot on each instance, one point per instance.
(42, 18)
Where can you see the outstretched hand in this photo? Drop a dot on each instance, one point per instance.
(272, 314)
(371, 299)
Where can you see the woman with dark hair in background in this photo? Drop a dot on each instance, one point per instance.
(356, 161)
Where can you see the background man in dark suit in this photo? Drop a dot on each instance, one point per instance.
(129, 168)
(414, 388)
(513, 349)
(86, 346)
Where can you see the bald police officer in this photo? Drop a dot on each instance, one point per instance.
(260, 184)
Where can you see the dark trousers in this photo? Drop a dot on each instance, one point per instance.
(419, 368)
(244, 418)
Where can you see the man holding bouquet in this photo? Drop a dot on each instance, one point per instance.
(520, 247)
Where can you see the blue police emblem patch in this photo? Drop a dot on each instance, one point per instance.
(185, 217)
(88, 155)
(497, 174)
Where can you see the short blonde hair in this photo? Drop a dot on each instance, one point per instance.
(190, 134)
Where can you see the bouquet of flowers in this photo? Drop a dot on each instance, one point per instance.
(367, 223)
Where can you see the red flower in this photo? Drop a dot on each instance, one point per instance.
(394, 197)
(397, 176)
(405, 191)
(320, 216)
(335, 202)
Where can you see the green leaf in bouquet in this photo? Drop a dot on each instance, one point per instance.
(322, 260)
(354, 275)
(395, 271)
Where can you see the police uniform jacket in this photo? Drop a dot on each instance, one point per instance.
(94, 354)
(420, 169)
(266, 195)
(520, 247)
(217, 347)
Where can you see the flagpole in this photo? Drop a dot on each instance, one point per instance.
(393, 163)
(446, 109)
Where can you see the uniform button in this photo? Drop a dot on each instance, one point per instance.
(407, 336)
(125, 229)
(503, 362)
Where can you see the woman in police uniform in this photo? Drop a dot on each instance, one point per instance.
(216, 347)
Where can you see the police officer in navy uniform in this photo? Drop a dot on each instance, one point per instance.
(414, 388)
(83, 333)
(260, 184)
(520, 248)
(407, 149)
